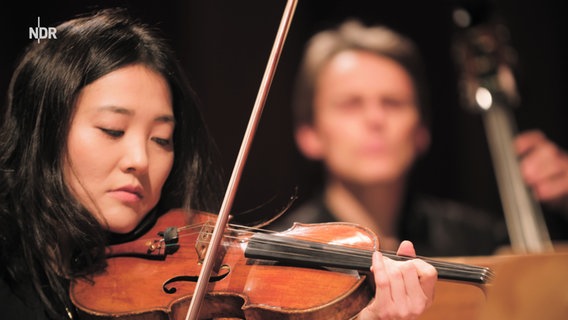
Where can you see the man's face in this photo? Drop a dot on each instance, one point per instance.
(366, 121)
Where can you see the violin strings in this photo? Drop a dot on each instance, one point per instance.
(353, 252)
(447, 269)
(390, 254)
(192, 230)
(345, 249)
(350, 248)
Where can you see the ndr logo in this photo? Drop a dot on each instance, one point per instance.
(42, 32)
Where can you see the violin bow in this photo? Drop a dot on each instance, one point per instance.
(223, 216)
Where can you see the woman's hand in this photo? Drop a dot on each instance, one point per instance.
(404, 289)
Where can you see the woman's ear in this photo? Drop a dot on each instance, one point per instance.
(308, 142)
(422, 139)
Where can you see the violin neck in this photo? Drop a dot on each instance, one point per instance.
(314, 254)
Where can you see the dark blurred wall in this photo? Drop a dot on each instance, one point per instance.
(224, 47)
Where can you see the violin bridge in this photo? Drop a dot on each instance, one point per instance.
(203, 240)
(202, 244)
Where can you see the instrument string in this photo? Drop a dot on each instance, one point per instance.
(304, 247)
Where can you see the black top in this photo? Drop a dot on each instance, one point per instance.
(20, 303)
(437, 227)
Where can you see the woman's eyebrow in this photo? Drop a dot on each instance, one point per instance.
(166, 118)
(115, 109)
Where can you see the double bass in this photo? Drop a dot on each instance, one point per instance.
(530, 278)
(486, 59)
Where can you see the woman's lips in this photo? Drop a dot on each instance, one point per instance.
(127, 194)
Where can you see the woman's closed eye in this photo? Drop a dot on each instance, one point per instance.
(115, 134)
(112, 132)
(162, 142)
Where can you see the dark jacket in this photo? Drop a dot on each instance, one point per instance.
(437, 227)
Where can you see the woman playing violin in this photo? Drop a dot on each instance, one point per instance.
(100, 135)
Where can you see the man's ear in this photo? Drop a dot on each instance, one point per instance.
(308, 142)
(422, 140)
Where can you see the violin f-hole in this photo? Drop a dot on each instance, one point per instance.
(194, 279)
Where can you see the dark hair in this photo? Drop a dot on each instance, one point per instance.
(353, 35)
(57, 238)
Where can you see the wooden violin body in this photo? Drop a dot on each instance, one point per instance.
(133, 287)
(310, 271)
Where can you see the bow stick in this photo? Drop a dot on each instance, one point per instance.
(223, 217)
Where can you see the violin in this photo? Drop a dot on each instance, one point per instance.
(310, 271)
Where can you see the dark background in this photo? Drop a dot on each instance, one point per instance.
(224, 47)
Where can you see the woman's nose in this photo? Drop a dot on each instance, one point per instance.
(135, 159)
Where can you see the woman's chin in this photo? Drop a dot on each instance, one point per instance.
(122, 219)
(123, 226)
(122, 229)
